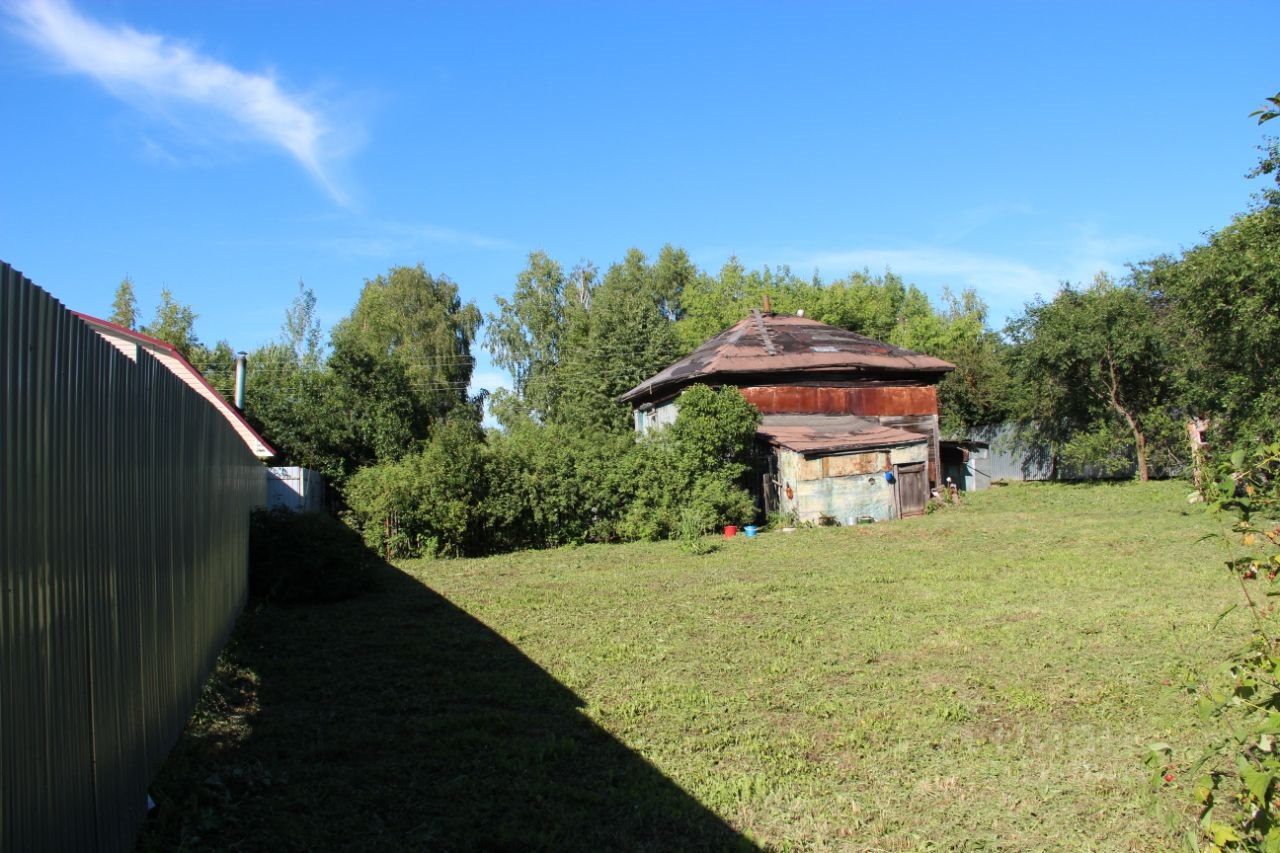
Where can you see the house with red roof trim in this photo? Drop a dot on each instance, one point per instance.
(130, 343)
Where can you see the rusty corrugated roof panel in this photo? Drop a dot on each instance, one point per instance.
(810, 439)
(764, 343)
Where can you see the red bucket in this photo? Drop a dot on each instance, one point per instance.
(730, 531)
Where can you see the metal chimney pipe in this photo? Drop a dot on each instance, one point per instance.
(239, 395)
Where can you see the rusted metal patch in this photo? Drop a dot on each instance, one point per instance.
(882, 400)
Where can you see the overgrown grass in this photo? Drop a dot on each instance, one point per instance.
(986, 677)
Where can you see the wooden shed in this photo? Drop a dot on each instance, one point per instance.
(851, 423)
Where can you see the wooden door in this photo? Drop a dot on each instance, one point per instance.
(913, 488)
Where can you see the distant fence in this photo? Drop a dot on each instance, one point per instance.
(296, 489)
(124, 517)
(1015, 454)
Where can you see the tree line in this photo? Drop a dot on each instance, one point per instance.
(1105, 375)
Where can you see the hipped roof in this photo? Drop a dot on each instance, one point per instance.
(811, 440)
(768, 343)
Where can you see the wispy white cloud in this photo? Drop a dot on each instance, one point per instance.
(959, 269)
(1004, 281)
(1089, 251)
(969, 221)
(151, 72)
(382, 238)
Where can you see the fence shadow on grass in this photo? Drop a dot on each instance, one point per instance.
(397, 721)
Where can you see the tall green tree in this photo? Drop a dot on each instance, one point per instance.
(217, 364)
(977, 393)
(628, 337)
(1089, 358)
(528, 334)
(300, 332)
(418, 323)
(124, 308)
(1221, 303)
(400, 362)
(710, 304)
(174, 323)
(290, 399)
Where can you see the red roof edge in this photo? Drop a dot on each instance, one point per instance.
(227, 409)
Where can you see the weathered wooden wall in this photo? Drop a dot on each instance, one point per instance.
(844, 486)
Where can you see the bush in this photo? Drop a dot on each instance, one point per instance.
(1235, 782)
(694, 527)
(538, 485)
(431, 495)
(296, 558)
(696, 464)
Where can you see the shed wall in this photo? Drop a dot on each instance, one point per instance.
(843, 486)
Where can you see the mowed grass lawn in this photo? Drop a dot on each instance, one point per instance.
(986, 678)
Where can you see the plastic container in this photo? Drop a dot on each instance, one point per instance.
(750, 530)
(730, 531)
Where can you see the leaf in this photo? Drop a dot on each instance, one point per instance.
(1237, 458)
(1222, 834)
(1257, 782)
(1224, 613)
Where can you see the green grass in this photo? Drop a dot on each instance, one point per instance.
(985, 678)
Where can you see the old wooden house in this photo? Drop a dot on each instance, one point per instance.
(850, 424)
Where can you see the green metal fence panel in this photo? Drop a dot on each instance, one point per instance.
(124, 524)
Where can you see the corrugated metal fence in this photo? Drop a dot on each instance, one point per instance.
(1016, 455)
(124, 504)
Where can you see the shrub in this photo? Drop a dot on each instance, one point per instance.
(694, 526)
(694, 465)
(1235, 782)
(432, 495)
(306, 557)
(539, 485)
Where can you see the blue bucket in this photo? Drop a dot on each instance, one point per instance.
(750, 530)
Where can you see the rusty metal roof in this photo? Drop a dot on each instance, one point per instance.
(768, 343)
(811, 439)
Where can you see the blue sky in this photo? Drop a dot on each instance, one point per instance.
(227, 150)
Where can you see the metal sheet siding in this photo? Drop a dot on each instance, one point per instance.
(836, 400)
(124, 501)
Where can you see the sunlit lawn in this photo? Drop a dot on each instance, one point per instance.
(985, 677)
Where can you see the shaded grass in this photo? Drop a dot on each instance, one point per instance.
(982, 678)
